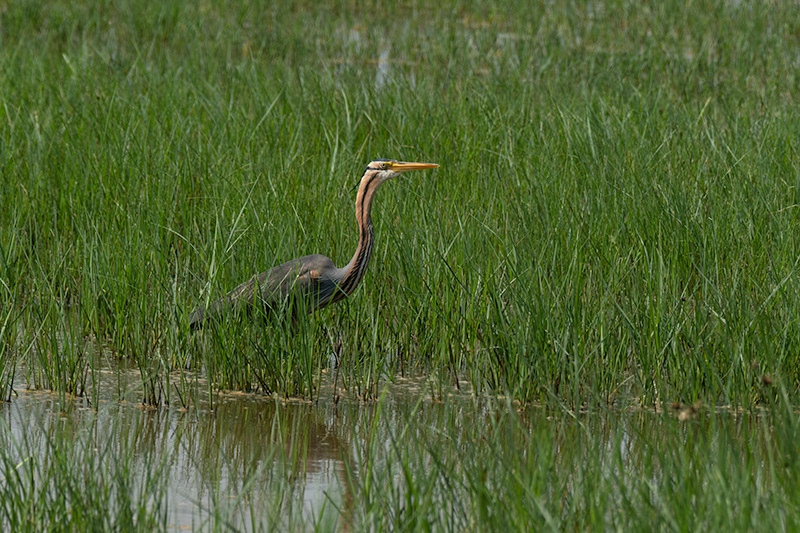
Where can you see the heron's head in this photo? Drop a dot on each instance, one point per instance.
(385, 169)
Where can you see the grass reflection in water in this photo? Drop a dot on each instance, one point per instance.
(405, 462)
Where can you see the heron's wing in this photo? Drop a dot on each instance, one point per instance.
(304, 283)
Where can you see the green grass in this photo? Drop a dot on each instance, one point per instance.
(56, 479)
(396, 465)
(642, 472)
(616, 207)
(615, 220)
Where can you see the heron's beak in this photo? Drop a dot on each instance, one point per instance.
(403, 166)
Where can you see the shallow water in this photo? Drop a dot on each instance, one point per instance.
(207, 453)
(213, 453)
(298, 454)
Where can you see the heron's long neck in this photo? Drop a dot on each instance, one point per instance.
(355, 269)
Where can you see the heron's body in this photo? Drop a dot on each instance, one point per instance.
(313, 281)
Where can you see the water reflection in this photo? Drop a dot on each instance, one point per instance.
(298, 448)
(273, 459)
(208, 454)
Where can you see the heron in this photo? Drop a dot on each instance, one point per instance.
(313, 281)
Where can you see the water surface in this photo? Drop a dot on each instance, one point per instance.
(266, 459)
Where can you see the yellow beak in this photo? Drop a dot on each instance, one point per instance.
(403, 166)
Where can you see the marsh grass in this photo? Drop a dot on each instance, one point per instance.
(589, 470)
(616, 208)
(402, 462)
(75, 482)
(118, 466)
(8, 361)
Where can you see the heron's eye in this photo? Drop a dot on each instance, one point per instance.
(386, 166)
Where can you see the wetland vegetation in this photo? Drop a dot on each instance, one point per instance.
(596, 297)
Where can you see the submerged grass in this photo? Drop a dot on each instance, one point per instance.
(616, 208)
(62, 481)
(637, 473)
(452, 465)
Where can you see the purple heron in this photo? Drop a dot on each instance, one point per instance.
(313, 281)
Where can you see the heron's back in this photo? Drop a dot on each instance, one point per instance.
(306, 283)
